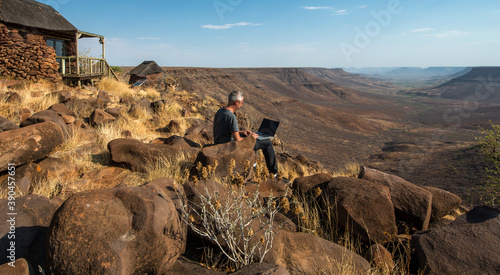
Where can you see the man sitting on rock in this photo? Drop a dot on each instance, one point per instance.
(226, 130)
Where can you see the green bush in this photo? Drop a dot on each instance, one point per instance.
(489, 142)
(116, 69)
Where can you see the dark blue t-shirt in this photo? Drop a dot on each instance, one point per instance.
(225, 123)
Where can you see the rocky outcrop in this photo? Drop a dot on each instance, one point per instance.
(302, 253)
(30, 226)
(363, 207)
(412, 204)
(30, 143)
(469, 245)
(124, 230)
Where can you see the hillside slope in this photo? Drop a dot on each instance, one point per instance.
(353, 81)
(319, 118)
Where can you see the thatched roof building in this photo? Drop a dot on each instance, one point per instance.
(146, 70)
(33, 20)
(26, 14)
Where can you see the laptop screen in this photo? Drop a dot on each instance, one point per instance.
(269, 127)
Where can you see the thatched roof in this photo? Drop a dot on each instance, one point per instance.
(146, 68)
(33, 14)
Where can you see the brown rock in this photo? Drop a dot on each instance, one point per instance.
(6, 125)
(301, 253)
(107, 177)
(116, 112)
(100, 117)
(239, 151)
(124, 230)
(469, 245)
(103, 98)
(443, 202)
(412, 204)
(30, 143)
(58, 168)
(62, 109)
(363, 207)
(64, 96)
(177, 142)
(304, 184)
(68, 119)
(380, 258)
(44, 116)
(26, 176)
(18, 267)
(138, 156)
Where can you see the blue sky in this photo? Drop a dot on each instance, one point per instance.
(290, 33)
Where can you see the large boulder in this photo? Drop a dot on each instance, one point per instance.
(443, 202)
(302, 253)
(138, 156)
(412, 204)
(44, 116)
(124, 230)
(221, 156)
(6, 125)
(362, 207)
(469, 245)
(30, 143)
(28, 228)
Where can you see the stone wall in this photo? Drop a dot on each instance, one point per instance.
(26, 57)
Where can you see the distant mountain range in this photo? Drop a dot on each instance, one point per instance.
(478, 84)
(408, 73)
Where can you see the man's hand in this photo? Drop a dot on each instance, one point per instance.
(254, 135)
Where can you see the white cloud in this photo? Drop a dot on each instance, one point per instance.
(228, 26)
(422, 30)
(363, 6)
(318, 8)
(451, 34)
(148, 38)
(340, 12)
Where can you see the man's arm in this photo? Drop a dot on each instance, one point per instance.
(238, 136)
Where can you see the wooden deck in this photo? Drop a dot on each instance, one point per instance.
(75, 69)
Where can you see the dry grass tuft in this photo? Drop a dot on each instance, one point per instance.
(116, 88)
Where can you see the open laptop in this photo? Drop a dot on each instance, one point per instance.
(267, 129)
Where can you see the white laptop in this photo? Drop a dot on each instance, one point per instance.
(267, 129)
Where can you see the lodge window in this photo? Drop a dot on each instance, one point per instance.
(58, 44)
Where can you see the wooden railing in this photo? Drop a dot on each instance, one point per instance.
(71, 66)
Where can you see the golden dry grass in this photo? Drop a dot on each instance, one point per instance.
(35, 97)
(116, 88)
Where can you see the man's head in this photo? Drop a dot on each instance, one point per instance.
(235, 99)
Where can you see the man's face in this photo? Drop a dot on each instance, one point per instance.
(239, 103)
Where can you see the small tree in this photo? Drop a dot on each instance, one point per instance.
(489, 143)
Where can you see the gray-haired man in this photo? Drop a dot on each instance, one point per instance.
(226, 130)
